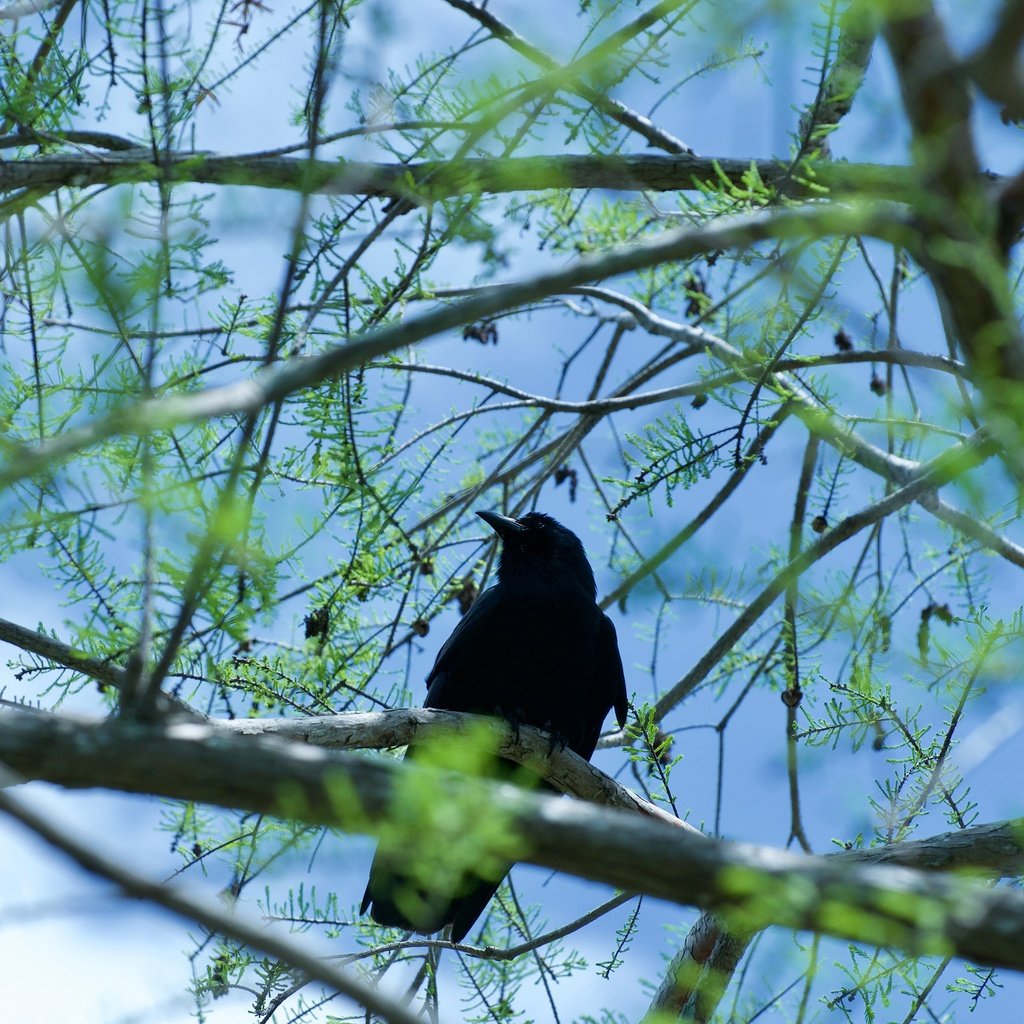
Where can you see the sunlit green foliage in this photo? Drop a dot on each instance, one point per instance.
(306, 554)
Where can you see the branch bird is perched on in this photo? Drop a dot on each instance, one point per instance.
(537, 646)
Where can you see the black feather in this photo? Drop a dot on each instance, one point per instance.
(535, 645)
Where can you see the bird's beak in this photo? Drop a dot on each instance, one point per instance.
(503, 526)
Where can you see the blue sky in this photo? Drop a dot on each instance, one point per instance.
(74, 950)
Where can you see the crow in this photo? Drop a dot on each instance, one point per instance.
(536, 649)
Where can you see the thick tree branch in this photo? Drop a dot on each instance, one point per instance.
(698, 974)
(25, 8)
(432, 180)
(837, 91)
(963, 228)
(702, 967)
(375, 730)
(102, 140)
(973, 527)
(995, 846)
(102, 671)
(995, 66)
(936, 100)
(750, 886)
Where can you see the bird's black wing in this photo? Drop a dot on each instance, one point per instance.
(392, 896)
(613, 679)
(396, 898)
(445, 684)
(467, 677)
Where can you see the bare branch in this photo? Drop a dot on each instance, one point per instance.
(748, 371)
(282, 379)
(53, 650)
(102, 671)
(929, 476)
(206, 913)
(617, 111)
(24, 8)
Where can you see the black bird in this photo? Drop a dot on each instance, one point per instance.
(536, 648)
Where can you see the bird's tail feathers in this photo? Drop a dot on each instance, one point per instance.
(397, 900)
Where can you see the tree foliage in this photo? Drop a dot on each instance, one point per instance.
(287, 293)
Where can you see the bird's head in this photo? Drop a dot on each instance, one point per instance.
(539, 544)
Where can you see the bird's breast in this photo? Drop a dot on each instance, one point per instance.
(536, 660)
